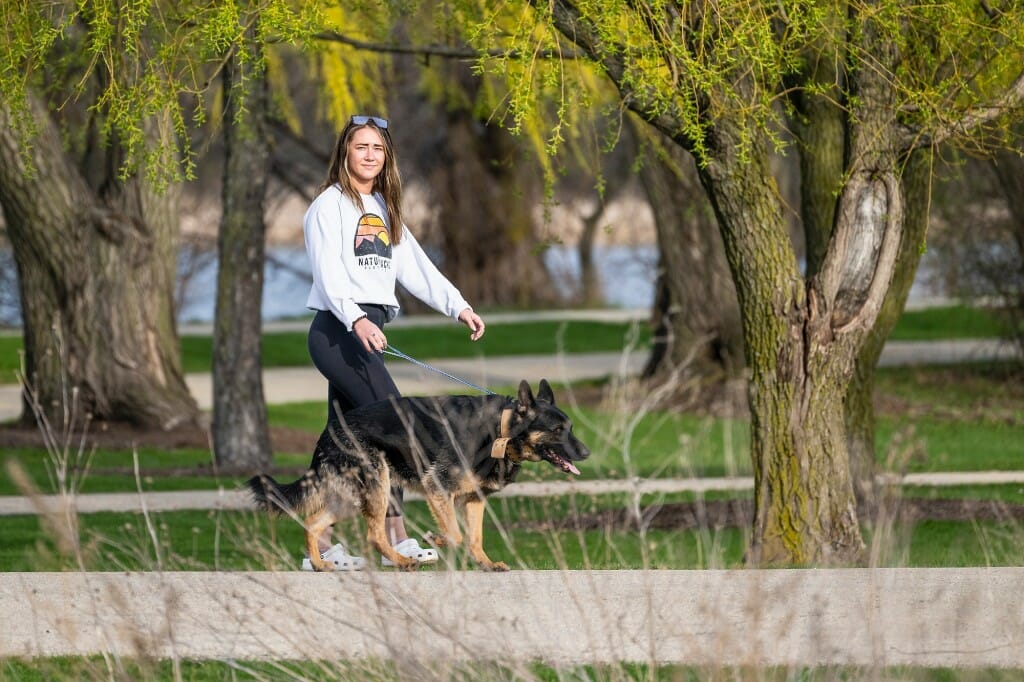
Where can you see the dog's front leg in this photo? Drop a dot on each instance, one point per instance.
(474, 513)
(375, 508)
(316, 525)
(442, 508)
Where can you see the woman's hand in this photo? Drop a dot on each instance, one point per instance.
(370, 335)
(474, 322)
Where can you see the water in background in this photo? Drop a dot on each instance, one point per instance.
(627, 278)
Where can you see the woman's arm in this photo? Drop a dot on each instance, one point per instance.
(324, 243)
(415, 271)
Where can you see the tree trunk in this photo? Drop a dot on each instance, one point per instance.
(591, 294)
(1009, 168)
(800, 361)
(485, 216)
(802, 337)
(820, 128)
(481, 190)
(96, 278)
(241, 440)
(696, 317)
(860, 412)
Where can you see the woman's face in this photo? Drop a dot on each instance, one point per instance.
(365, 158)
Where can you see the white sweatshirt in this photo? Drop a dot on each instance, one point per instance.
(354, 262)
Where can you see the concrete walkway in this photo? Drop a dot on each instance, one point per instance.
(291, 384)
(961, 618)
(437, 620)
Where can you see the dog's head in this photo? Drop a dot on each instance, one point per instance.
(541, 431)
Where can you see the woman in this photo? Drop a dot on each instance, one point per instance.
(359, 248)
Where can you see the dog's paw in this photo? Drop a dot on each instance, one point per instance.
(495, 567)
(442, 541)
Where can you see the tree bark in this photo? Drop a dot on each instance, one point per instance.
(241, 439)
(695, 317)
(485, 216)
(820, 128)
(481, 191)
(804, 507)
(96, 278)
(591, 294)
(860, 411)
(1009, 168)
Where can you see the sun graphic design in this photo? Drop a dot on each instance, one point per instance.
(372, 237)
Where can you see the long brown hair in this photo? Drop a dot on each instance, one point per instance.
(388, 182)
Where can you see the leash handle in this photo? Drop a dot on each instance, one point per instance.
(391, 350)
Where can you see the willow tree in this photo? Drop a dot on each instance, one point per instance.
(716, 78)
(241, 437)
(94, 242)
(89, 188)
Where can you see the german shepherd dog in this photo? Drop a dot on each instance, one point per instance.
(457, 450)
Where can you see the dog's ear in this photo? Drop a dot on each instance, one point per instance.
(544, 393)
(525, 396)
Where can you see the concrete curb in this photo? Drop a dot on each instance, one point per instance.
(862, 617)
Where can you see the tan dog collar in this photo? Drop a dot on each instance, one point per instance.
(501, 443)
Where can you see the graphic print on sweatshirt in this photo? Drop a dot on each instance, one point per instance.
(373, 245)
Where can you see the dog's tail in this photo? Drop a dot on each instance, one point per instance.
(302, 497)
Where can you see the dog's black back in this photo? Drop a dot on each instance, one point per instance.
(452, 437)
(456, 449)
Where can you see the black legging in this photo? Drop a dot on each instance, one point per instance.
(355, 377)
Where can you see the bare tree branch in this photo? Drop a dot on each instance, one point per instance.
(446, 51)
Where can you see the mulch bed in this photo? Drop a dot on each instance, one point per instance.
(112, 435)
(716, 514)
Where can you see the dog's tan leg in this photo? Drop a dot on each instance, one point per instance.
(375, 507)
(475, 534)
(442, 508)
(315, 526)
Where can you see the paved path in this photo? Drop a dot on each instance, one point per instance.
(179, 500)
(436, 620)
(291, 384)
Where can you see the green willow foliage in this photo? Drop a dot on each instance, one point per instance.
(696, 63)
(143, 68)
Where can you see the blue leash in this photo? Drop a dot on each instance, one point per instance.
(391, 350)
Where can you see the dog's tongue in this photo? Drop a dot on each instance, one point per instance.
(569, 467)
(563, 464)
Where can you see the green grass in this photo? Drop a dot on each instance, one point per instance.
(288, 349)
(654, 445)
(95, 668)
(930, 444)
(949, 322)
(235, 540)
(665, 446)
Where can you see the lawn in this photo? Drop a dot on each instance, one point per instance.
(922, 426)
(941, 433)
(288, 349)
(929, 419)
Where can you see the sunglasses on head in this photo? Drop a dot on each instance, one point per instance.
(381, 123)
